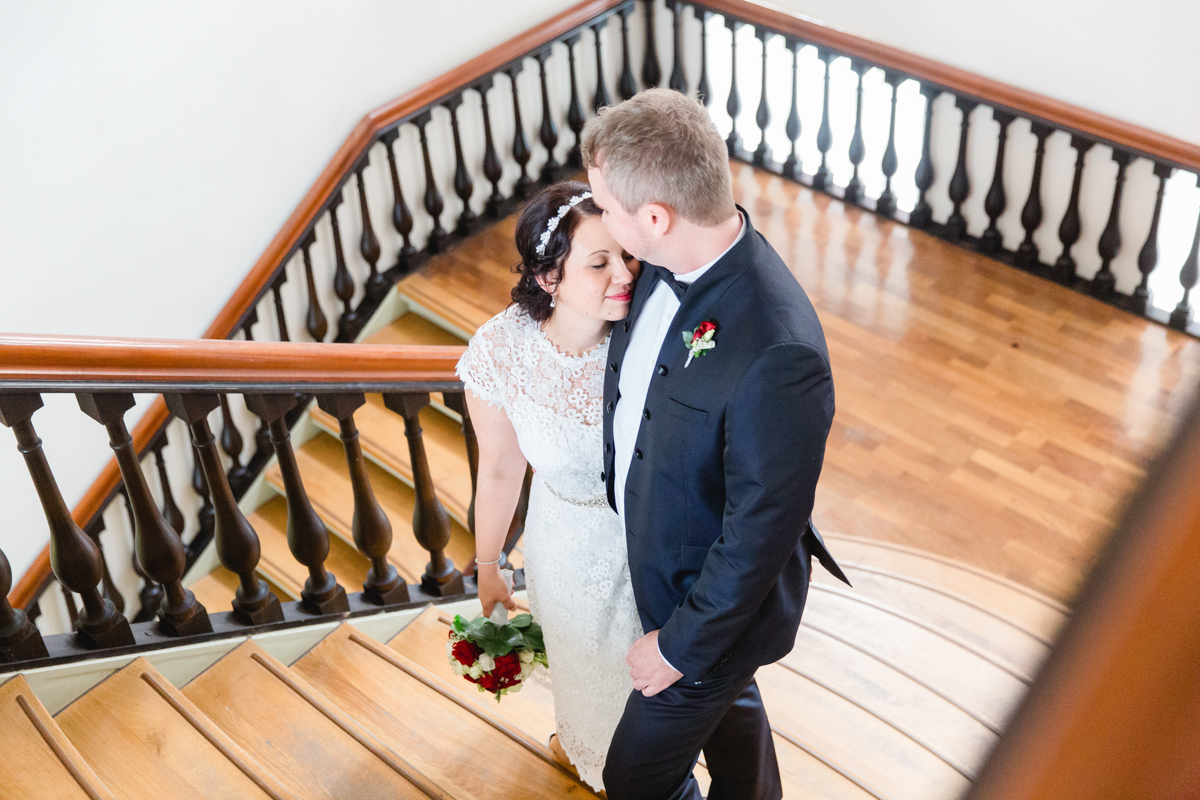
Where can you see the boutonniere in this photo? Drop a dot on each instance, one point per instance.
(700, 340)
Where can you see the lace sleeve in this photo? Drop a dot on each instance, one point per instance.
(486, 368)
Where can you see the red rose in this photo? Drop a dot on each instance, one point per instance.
(508, 666)
(703, 328)
(489, 681)
(465, 653)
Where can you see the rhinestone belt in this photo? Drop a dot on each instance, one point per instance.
(596, 501)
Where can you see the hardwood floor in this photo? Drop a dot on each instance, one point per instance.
(982, 413)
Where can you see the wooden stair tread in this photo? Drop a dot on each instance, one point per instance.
(381, 433)
(413, 329)
(460, 751)
(147, 740)
(216, 590)
(39, 759)
(884, 760)
(322, 462)
(805, 776)
(270, 522)
(297, 733)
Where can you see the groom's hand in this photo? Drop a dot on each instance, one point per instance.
(649, 670)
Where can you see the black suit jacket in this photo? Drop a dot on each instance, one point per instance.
(720, 490)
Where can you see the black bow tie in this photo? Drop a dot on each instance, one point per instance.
(674, 284)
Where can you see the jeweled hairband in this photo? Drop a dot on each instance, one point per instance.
(553, 223)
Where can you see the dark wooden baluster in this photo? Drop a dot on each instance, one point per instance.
(825, 132)
(626, 86)
(574, 109)
(110, 591)
(72, 609)
(960, 181)
(431, 524)
(464, 187)
(160, 552)
(858, 148)
(262, 437)
(1182, 315)
(433, 198)
(493, 170)
(308, 538)
(402, 219)
(1104, 283)
(762, 115)
(791, 165)
(733, 105)
(886, 204)
(314, 321)
(517, 526)
(372, 530)
(151, 595)
(922, 213)
(457, 402)
(231, 443)
(1148, 256)
(703, 91)
(207, 515)
(548, 133)
(651, 70)
(600, 99)
(996, 200)
(20, 639)
(1031, 213)
(1070, 228)
(170, 509)
(520, 148)
(343, 282)
(368, 245)
(678, 80)
(280, 317)
(74, 557)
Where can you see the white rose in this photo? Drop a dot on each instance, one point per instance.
(475, 672)
(513, 689)
(527, 656)
(459, 669)
(486, 662)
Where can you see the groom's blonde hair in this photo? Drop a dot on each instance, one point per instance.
(660, 146)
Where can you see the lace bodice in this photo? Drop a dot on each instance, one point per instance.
(552, 399)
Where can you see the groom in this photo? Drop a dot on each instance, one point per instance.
(717, 402)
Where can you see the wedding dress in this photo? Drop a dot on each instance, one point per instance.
(576, 562)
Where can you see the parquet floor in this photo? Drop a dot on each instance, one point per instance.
(982, 413)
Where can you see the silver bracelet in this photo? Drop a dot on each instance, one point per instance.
(487, 563)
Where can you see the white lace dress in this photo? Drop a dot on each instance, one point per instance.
(576, 562)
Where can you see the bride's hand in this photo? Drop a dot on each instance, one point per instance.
(493, 589)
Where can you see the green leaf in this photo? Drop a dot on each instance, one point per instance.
(687, 338)
(459, 624)
(521, 621)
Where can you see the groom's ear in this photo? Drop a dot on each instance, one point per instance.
(658, 217)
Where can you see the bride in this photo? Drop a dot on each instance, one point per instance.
(535, 379)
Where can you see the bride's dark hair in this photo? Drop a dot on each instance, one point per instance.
(528, 293)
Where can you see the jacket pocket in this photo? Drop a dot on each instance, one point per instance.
(692, 558)
(678, 410)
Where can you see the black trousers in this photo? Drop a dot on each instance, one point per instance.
(659, 739)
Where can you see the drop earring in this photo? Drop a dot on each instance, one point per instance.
(552, 301)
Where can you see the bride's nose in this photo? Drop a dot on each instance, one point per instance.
(622, 275)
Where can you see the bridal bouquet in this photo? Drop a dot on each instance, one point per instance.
(494, 654)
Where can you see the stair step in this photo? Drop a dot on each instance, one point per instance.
(270, 522)
(216, 590)
(322, 462)
(148, 740)
(414, 329)
(468, 750)
(39, 759)
(301, 736)
(806, 776)
(381, 433)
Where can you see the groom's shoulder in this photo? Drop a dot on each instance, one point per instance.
(772, 304)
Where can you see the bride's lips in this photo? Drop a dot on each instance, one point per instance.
(621, 298)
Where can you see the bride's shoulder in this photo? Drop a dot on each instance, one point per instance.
(510, 326)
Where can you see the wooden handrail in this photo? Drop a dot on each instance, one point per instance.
(997, 94)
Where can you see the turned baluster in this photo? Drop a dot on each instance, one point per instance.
(314, 321)
(922, 213)
(262, 437)
(791, 165)
(74, 557)
(72, 609)
(20, 639)
(1070, 227)
(1104, 283)
(492, 168)
(600, 99)
(371, 528)
(733, 105)
(280, 317)
(343, 282)
(160, 552)
(206, 517)
(996, 200)
(368, 245)
(960, 182)
(703, 92)
(93, 529)
(402, 219)
(433, 198)
(626, 86)
(825, 132)
(431, 524)
(236, 542)
(151, 595)
(457, 402)
(520, 148)
(858, 148)
(464, 187)
(1031, 213)
(678, 80)
(1148, 256)
(231, 444)
(307, 536)
(651, 71)
(1182, 315)
(575, 118)
(762, 115)
(548, 133)
(170, 509)
(886, 205)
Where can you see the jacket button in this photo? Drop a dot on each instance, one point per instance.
(603, 476)
(646, 413)
(662, 369)
(613, 366)
(637, 453)
(610, 407)
(608, 447)
(627, 326)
